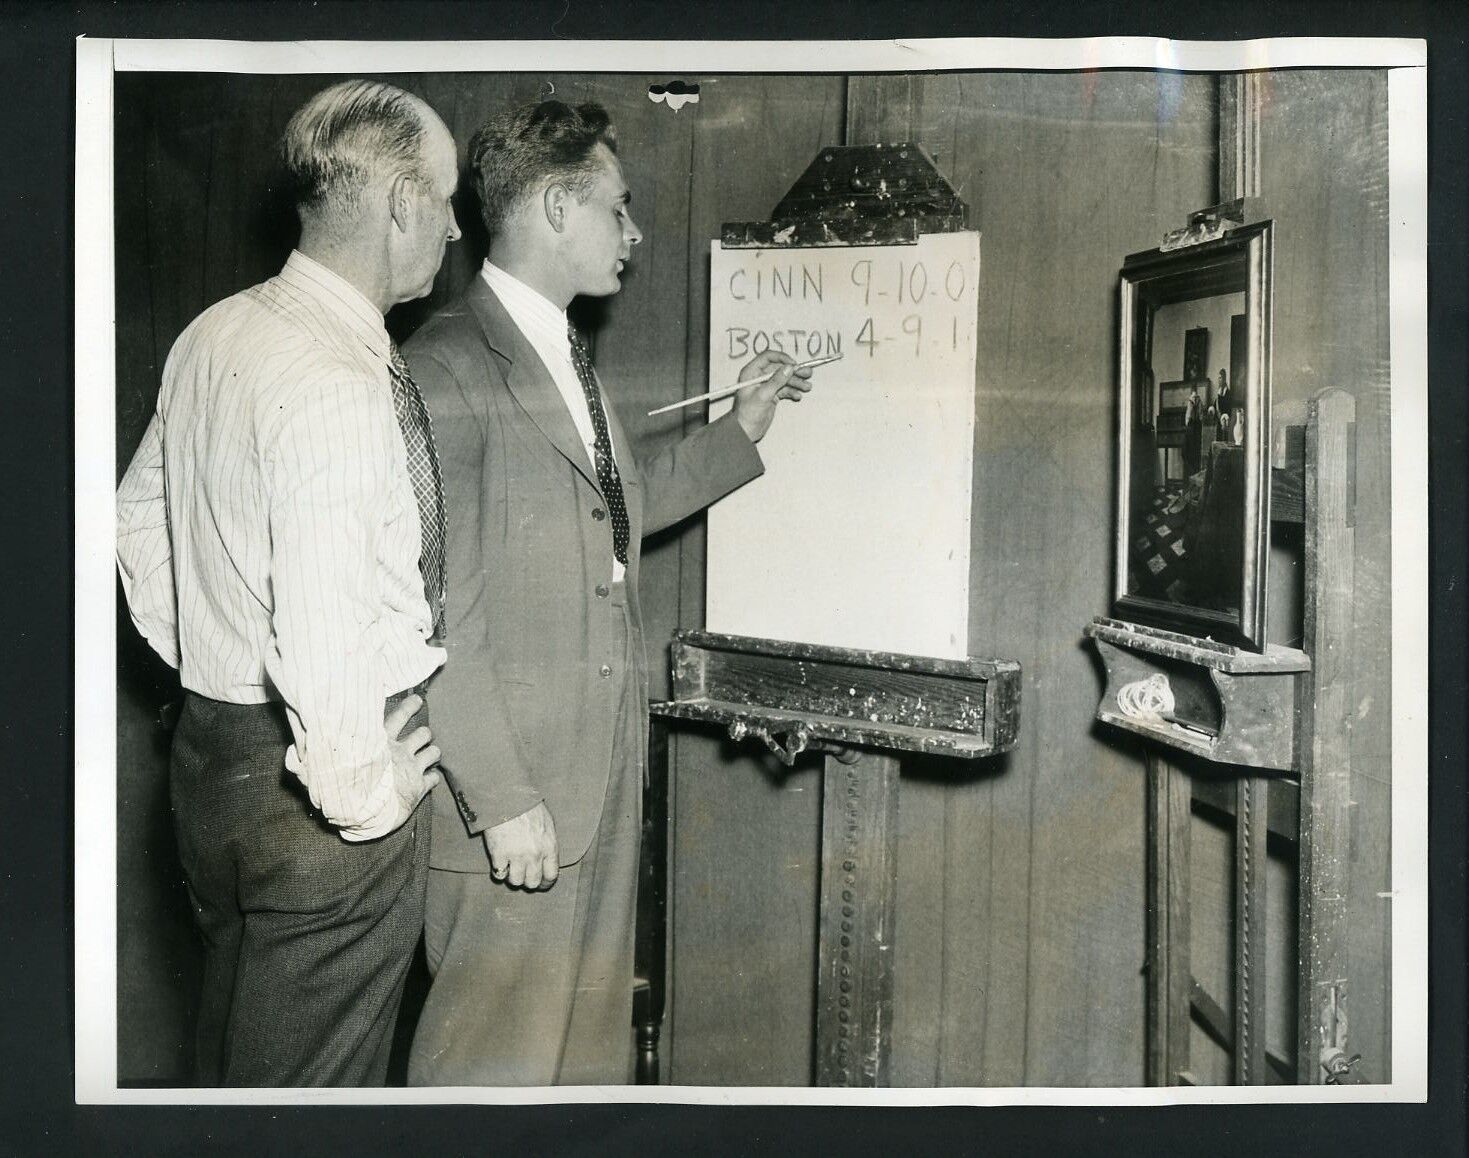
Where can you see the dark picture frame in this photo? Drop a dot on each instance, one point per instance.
(1196, 353)
(1193, 508)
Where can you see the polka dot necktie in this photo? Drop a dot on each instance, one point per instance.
(607, 476)
(428, 482)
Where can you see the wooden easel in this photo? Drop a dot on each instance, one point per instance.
(1283, 754)
(862, 710)
(1307, 802)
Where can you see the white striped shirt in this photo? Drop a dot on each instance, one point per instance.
(545, 328)
(268, 535)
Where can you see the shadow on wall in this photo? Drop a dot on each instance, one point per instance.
(155, 929)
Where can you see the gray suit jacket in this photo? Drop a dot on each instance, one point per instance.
(520, 709)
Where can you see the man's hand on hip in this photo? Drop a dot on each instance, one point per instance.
(523, 850)
(413, 755)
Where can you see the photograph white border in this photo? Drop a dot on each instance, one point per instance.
(95, 584)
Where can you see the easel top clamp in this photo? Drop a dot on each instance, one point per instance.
(857, 195)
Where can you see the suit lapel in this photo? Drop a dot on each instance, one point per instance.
(528, 379)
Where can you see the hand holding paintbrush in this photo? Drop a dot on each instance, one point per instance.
(725, 391)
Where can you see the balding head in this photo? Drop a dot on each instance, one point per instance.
(350, 136)
(372, 170)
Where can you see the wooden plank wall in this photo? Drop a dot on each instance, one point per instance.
(1323, 177)
(1020, 913)
(1020, 891)
(744, 846)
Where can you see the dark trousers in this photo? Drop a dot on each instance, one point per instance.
(307, 937)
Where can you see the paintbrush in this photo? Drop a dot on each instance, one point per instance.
(715, 395)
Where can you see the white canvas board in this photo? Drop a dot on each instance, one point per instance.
(857, 534)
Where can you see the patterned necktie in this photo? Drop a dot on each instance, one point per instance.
(607, 476)
(428, 483)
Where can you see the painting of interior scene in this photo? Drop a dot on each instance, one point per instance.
(1188, 455)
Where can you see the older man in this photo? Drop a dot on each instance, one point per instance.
(543, 703)
(280, 539)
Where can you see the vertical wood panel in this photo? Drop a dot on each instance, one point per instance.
(158, 958)
(1323, 174)
(885, 110)
(137, 363)
(1239, 135)
(1283, 950)
(176, 179)
(746, 831)
(1065, 174)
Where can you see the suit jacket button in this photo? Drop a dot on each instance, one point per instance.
(606, 671)
(601, 591)
(598, 513)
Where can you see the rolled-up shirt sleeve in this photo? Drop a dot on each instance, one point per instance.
(144, 550)
(325, 460)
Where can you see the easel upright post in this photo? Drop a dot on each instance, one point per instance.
(1325, 740)
(863, 710)
(1170, 977)
(859, 885)
(1251, 820)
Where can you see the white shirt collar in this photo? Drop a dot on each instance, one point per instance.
(545, 328)
(341, 297)
(528, 307)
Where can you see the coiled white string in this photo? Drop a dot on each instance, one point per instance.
(1147, 699)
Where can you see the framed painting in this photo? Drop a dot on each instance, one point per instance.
(1193, 492)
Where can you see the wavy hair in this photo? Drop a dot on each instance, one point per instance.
(513, 153)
